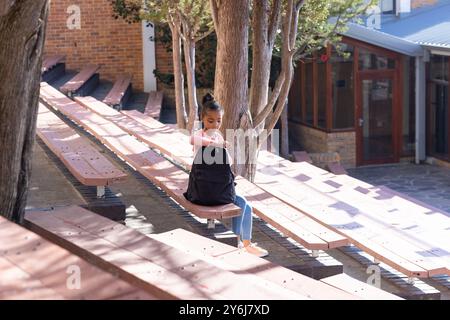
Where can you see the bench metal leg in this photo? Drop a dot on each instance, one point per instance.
(100, 191)
(211, 224)
(315, 253)
(411, 280)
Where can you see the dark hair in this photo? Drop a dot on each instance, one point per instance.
(209, 104)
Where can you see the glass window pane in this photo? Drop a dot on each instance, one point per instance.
(322, 94)
(309, 93)
(439, 116)
(373, 61)
(295, 96)
(409, 107)
(439, 67)
(343, 106)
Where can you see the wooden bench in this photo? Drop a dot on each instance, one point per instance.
(336, 287)
(83, 82)
(31, 267)
(368, 227)
(300, 156)
(120, 92)
(175, 145)
(158, 170)
(152, 265)
(85, 163)
(154, 104)
(53, 67)
(146, 129)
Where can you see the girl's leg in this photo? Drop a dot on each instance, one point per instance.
(241, 225)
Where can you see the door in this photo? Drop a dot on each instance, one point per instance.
(375, 120)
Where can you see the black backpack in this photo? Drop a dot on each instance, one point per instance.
(211, 181)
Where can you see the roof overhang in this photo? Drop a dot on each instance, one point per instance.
(384, 40)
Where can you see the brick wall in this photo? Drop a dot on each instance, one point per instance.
(318, 141)
(113, 44)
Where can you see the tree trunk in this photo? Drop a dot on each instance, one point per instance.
(189, 57)
(178, 77)
(231, 79)
(22, 34)
(265, 23)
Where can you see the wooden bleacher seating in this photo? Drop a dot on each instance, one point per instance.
(151, 265)
(158, 170)
(175, 145)
(300, 156)
(50, 62)
(120, 92)
(85, 163)
(393, 238)
(231, 258)
(154, 104)
(53, 67)
(336, 168)
(83, 82)
(32, 268)
(382, 241)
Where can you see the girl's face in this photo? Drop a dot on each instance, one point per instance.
(212, 120)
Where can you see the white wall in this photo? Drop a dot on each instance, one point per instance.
(149, 56)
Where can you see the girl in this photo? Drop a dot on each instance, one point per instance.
(209, 135)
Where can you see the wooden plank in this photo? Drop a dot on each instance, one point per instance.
(88, 165)
(300, 156)
(117, 92)
(418, 234)
(358, 288)
(288, 220)
(51, 61)
(158, 170)
(152, 263)
(340, 218)
(161, 138)
(174, 145)
(424, 237)
(154, 104)
(237, 261)
(79, 79)
(38, 269)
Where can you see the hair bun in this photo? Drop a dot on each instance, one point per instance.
(207, 98)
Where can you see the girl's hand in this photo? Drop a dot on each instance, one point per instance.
(221, 144)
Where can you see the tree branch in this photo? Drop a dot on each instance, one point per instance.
(273, 99)
(204, 35)
(215, 12)
(274, 20)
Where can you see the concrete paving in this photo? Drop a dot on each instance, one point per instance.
(427, 183)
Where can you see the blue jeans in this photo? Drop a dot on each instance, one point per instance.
(242, 225)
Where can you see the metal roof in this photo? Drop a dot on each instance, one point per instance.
(384, 40)
(430, 27)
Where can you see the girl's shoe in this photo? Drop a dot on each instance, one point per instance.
(254, 249)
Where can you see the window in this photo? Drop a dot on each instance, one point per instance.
(295, 96)
(439, 68)
(409, 107)
(388, 6)
(309, 93)
(343, 109)
(322, 59)
(439, 105)
(373, 61)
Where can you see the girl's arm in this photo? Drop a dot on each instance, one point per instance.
(198, 139)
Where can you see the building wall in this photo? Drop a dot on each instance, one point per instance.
(99, 39)
(318, 141)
